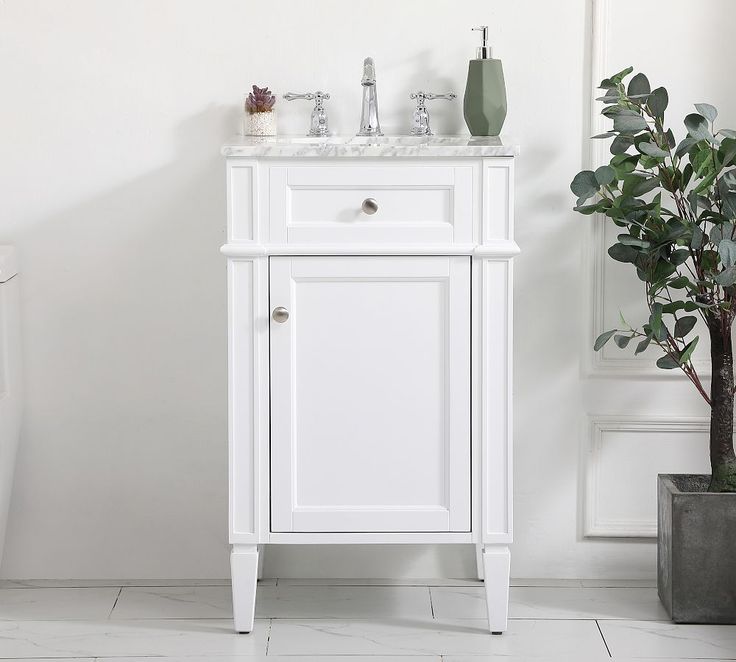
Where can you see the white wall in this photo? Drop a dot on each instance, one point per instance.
(113, 189)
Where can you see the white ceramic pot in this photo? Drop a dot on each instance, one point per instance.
(260, 124)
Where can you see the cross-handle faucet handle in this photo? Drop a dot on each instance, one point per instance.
(420, 119)
(318, 125)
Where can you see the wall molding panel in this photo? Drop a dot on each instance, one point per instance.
(622, 456)
(610, 362)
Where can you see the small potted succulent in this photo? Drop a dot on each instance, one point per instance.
(260, 117)
(674, 204)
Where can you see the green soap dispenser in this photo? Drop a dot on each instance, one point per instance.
(484, 105)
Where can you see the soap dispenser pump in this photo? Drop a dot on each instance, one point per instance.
(484, 105)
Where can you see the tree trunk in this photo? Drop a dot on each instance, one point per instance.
(722, 458)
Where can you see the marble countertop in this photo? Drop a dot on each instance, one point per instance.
(356, 146)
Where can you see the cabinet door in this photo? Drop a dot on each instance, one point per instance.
(370, 394)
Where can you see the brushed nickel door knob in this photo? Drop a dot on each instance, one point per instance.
(369, 206)
(280, 315)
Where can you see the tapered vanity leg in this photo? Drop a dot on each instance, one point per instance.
(261, 557)
(479, 561)
(496, 569)
(244, 573)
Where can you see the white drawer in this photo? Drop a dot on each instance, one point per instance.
(416, 203)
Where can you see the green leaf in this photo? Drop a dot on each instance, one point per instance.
(698, 236)
(620, 144)
(705, 183)
(727, 251)
(697, 127)
(721, 232)
(613, 81)
(622, 253)
(651, 150)
(639, 85)
(600, 136)
(729, 133)
(727, 151)
(628, 240)
(684, 325)
(655, 319)
(622, 341)
(685, 146)
(679, 282)
(680, 256)
(667, 363)
(644, 186)
(706, 110)
(727, 277)
(584, 184)
(629, 123)
(658, 101)
(603, 339)
(688, 351)
(642, 345)
(605, 175)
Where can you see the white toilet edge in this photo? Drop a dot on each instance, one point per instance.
(8, 263)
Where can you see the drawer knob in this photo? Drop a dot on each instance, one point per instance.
(369, 206)
(280, 315)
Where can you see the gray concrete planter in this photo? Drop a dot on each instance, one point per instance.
(696, 550)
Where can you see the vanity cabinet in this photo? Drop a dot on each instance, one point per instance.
(369, 296)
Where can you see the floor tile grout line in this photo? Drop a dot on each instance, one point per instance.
(268, 635)
(605, 643)
(115, 604)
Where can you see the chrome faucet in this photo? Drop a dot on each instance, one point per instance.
(369, 124)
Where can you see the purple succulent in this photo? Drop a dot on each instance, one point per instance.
(260, 100)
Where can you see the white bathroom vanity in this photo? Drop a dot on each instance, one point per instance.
(369, 295)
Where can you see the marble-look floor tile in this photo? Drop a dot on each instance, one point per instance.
(555, 603)
(343, 602)
(546, 582)
(278, 658)
(40, 604)
(97, 583)
(206, 638)
(379, 582)
(415, 637)
(174, 602)
(657, 640)
(619, 583)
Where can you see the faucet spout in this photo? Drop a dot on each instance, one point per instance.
(369, 124)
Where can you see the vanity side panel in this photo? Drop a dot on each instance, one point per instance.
(498, 199)
(493, 285)
(242, 200)
(248, 389)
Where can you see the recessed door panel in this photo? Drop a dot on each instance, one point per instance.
(370, 394)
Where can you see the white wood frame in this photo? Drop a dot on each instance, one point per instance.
(491, 246)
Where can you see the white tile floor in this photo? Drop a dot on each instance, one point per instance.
(347, 621)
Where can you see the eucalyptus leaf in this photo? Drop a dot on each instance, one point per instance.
(645, 185)
(688, 351)
(684, 325)
(621, 341)
(685, 145)
(622, 253)
(629, 123)
(667, 363)
(584, 184)
(706, 110)
(720, 232)
(605, 175)
(698, 237)
(600, 136)
(658, 101)
(620, 144)
(727, 277)
(639, 85)
(728, 133)
(727, 251)
(643, 345)
(651, 150)
(697, 127)
(603, 339)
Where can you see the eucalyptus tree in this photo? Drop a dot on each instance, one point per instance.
(675, 206)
